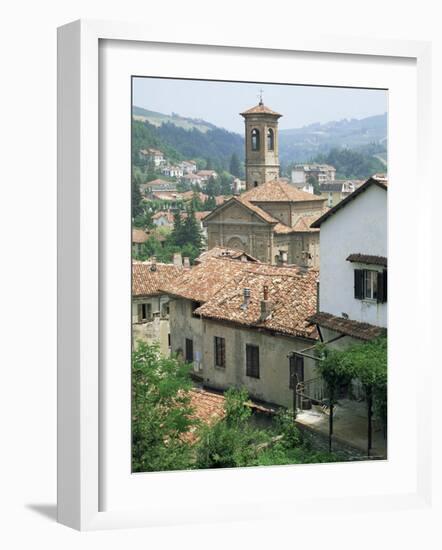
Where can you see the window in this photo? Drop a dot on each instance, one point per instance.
(270, 140)
(370, 285)
(255, 139)
(296, 374)
(144, 312)
(255, 184)
(252, 361)
(220, 351)
(189, 350)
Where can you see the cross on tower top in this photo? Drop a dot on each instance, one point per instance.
(260, 97)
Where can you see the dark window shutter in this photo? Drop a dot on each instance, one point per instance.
(382, 286)
(359, 284)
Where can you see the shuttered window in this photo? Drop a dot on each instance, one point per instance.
(296, 370)
(370, 285)
(252, 361)
(220, 351)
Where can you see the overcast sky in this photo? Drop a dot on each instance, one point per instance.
(220, 102)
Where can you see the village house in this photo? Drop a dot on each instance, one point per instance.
(139, 237)
(156, 185)
(271, 219)
(188, 167)
(238, 186)
(238, 321)
(206, 174)
(152, 156)
(163, 219)
(173, 171)
(150, 306)
(321, 172)
(337, 190)
(192, 179)
(353, 265)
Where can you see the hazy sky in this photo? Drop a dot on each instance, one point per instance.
(220, 102)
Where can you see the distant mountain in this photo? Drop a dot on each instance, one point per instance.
(367, 135)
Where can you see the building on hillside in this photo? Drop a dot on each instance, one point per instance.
(223, 252)
(353, 266)
(206, 174)
(163, 218)
(335, 191)
(238, 321)
(188, 166)
(270, 222)
(152, 156)
(173, 171)
(320, 172)
(192, 179)
(156, 185)
(139, 237)
(150, 306)
(238, 186)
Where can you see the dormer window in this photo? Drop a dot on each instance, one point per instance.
(270, 140)
(255, 139)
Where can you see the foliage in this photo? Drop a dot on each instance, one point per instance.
(366, 362)
(136, 197)
(313, 181)
(237, 412)
(350, 163)
(161, 411)
(235, 166)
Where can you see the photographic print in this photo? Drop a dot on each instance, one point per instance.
(259, 274)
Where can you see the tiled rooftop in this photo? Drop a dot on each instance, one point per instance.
(147, 281)
(219, 283)
(278, 191)
(356, 329)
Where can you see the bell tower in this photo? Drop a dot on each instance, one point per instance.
(261, 139)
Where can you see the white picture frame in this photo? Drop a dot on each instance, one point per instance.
(80, 397)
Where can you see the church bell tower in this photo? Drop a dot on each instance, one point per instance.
(261, 137)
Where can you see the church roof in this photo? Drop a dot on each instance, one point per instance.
(278, 191)
(246, 204)
(260, 109)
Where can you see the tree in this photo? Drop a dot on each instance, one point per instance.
(213, 186)
(313, 181)
(210, 203)
(161, 411)
(136, 197)
(191, 233)
(196, 202)
(177, 235)
(235, 166)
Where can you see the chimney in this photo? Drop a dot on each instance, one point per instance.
(243, 258)
(266, 305)
(305, 262)
(153, 266)
(246, 295)
(283, 257)
(177, 260)
(186, 261)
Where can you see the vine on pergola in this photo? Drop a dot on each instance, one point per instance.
(366, 362)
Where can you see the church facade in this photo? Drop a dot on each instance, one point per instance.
(271, 219)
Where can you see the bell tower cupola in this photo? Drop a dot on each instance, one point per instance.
(261, 141)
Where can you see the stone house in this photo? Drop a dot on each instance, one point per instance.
(150, 306)
(270, 222)
(157, 185)
(238, 321)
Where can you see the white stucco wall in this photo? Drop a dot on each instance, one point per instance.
(359, 227)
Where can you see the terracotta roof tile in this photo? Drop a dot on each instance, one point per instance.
(146, 282)
(224, 252)
(278, 191)
(356, 329)
(219, 284)
(260, 109)
(139, 236)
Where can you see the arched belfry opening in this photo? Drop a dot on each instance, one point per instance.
(270, 139)
(255, 139)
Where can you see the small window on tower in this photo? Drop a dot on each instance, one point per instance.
(270, 140)
(255, 139)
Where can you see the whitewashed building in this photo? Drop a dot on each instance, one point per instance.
(353, 263)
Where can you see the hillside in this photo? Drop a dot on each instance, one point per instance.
(366, 135)
(181, 137)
